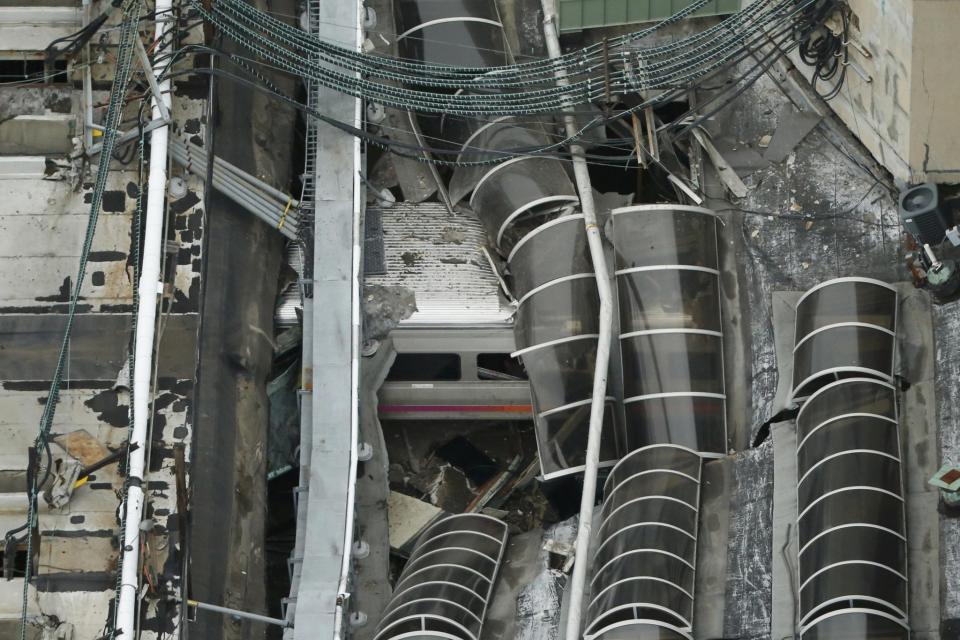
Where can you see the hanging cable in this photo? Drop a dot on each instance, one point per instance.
(829, 54)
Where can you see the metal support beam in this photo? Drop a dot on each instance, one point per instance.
(151, 79)
(246, 615)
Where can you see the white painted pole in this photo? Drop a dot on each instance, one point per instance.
(149, 289)
(582, 175)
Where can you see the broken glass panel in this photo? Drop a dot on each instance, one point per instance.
(560, 310)
(419, 11)
(561, 374)
(562, 439)
(552, 251)
(672, 363)
(527, 188)
(487, 142)
(465, 34)
(669, 299)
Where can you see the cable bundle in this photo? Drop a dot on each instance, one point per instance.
(597, 71)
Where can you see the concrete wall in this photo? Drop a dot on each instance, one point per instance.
(935, 134)
(905, 116)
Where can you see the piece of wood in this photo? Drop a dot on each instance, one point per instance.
(726, 173)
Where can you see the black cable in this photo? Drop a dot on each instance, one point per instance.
(829, 54)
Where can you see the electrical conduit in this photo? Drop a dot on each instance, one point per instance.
(143, 346)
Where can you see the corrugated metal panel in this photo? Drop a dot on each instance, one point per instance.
(584, 14)
(439, 257)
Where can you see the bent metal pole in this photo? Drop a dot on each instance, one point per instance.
(148, 289)
(603, 348)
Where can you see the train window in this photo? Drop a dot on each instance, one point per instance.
(499, 366)
(425, 367)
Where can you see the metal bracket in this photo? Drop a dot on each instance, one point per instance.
(151, 78)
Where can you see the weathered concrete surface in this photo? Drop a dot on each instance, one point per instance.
(98, 349)
(901, 114)
(947, 332)
(37, 135)
(19, 101)
(732, 598)
(749, 550)
(713, 540)
(236, 354)
(373, 572)
(331, 420)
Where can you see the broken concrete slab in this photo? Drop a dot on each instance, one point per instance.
(744, 159)
(408, 517)
(792, 128)
(37, 135)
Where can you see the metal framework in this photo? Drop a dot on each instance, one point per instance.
(671, 339)
(845, 327)
(644, 563)
(447, 583)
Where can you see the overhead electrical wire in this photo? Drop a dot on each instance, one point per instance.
(494, 92)
(789, 33)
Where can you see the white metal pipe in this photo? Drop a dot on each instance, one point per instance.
(194, 153)
(270, 211)
(582, 176)
(148, 289)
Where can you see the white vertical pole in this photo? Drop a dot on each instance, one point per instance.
(585, 189)
(149, 289)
